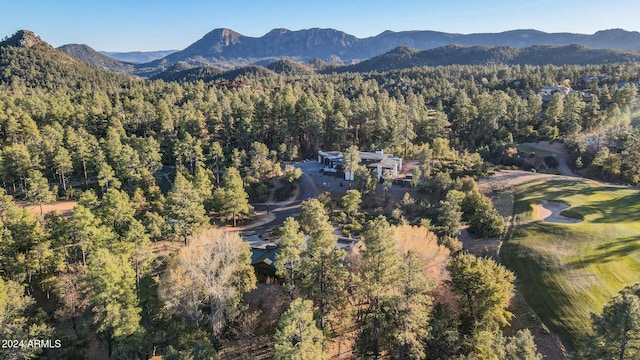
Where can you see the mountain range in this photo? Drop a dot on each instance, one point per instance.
(226, 48)
(223, 49)
(138, 57)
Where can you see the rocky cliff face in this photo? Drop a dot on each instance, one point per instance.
(307, 44)
(24, 39)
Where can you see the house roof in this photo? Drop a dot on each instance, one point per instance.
(387, 163)
(364, 155)
(266, 256)
(331, 154)
(345, 243)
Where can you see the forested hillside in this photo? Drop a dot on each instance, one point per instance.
(92, 57)
(136, 269)
(404, 57)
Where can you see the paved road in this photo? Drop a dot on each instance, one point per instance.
(281, 210)
(308, 188)
(163, 178)
(284, 210)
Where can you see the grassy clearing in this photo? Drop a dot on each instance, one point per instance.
(569, 271)
(531, 150)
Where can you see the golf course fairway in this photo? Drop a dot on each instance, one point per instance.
(568, 271)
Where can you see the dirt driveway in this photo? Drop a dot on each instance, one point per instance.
(63, 207)
(509, 178)
(559, 150)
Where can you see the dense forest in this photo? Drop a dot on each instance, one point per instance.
(138, 270)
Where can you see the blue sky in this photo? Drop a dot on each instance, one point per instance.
(119, 25)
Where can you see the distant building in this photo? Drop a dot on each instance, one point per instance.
(590, 78)
(552, 89)
(547, 93)
(374, 160)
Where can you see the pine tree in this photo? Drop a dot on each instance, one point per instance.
(38, 189)
(16, 324)
(450, 214)
(482, 217)
(444, 339)
(313, 217)
(365, 180)
(617, 329)
(216, 154)
(323, 272)
(261, 165)
(380, 278)
(411, 310)
(107, 177)
(297, 337)
(110, 281)
(87, 233)
(484, 289)
(185, 209)
(350, 162)
(351, 201)
(16, 163)
(63, 165)
(202, 184)
(81, 143)
(116, 209)
(148, 151)
(387, 181)
(141, 252)
(232, 200)
(290, 246)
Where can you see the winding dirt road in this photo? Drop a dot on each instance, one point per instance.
(509, 178)
(560, 152)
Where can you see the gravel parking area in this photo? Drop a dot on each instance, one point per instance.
(329, 182)
(324, 182)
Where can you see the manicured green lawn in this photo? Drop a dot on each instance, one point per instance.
(530, 149)
(568, 272)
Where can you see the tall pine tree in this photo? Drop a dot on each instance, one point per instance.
(185, 208)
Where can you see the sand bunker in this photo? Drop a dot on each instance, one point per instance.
(549, 211)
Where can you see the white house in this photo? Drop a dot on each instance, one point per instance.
(375, 160)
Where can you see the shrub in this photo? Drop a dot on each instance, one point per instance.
(551, 161)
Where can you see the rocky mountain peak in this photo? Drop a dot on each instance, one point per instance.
(217, 38)
(24, 38)
(225, 35)
(277, 32)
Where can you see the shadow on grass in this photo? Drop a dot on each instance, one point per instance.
(536, 273)
(619, 207)
(616, 210)
(543, 189)
(611, 251)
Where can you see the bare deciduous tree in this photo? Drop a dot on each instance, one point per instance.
(212, 272)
